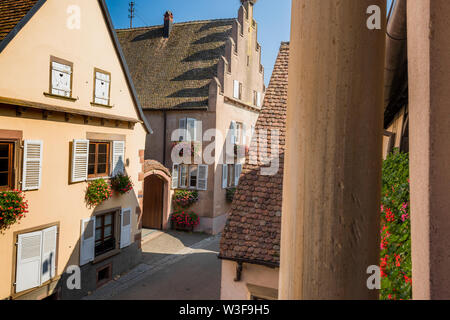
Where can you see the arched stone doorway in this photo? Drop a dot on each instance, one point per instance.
(157, 194)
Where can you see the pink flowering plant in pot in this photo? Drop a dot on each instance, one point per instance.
(185, 220)
(395, 246)
(121, 183)
(97, 192)
(13, 207)
(185, 198)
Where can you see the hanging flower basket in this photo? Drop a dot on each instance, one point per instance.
(121, 184)
(13, 207)
(184, 220)
(97, 192)
(185, 198)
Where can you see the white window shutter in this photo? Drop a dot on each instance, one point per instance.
(174, 176)
(244, 134)
(118, 157)
(202, 177)
(102, 82)
(224, 176)
(258, 99)
(125, 228)
(191, 130)
(28, 265)
(32, 165)
(80, 158)
(237, 173)
(236, 89)
(233, 132)
(87, 242)
(183, 127)
(48, 262)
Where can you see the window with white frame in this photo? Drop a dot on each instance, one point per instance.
(190, 129)
(102, 87)
(238, 132)
(230, 175)
(61, 77)
(186, 176)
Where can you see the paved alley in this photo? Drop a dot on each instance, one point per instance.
(175, 265)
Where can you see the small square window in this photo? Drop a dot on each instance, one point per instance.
(61, 78)
(102, 87)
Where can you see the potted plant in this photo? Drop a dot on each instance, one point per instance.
(13, 207)
(97, 192)
(185, 198)
(230, 194)
(121, 183)
(184, 220)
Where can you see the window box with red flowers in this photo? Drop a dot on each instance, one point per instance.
(97, 192)
(121, 184)
(13, 207)
(184, 220)
(185, 198)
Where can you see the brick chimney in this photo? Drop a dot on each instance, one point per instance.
(168, 24)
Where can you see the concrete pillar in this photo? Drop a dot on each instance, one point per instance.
(429, 111)
(331, 200)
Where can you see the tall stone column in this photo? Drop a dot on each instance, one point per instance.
(331, 200)
(429, 112)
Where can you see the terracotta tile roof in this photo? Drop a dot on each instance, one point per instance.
(11, 12)
(175, 73)
(252, 232)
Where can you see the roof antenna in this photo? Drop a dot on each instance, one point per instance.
(131, 12)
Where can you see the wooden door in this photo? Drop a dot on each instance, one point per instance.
(153, 202)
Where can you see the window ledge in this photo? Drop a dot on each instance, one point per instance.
(101, 105)
(51, 95)
(106, 255)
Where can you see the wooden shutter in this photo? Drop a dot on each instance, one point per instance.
(175, 176)
(80, 160)
(202, 177)
(32, 165)
(118, 157)
(191, 130)
(183, 129)
(87, 242)
(224, 176)
(236, 86)
(102, 82)
(28, 266)
(61, 79)
(125, 228)
(237, 173)
(48, 261)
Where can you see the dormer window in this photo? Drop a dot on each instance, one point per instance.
(102, 87)
(61, 77)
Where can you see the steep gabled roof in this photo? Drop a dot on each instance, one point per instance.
(14, 14)
(253, 230)
(175, 73)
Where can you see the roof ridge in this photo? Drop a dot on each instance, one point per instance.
(175, 24)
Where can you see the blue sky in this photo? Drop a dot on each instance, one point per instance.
(273, 17)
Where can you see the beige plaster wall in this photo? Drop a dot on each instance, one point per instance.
(251, 274)
(26, 59)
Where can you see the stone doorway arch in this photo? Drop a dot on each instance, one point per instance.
(157, 195)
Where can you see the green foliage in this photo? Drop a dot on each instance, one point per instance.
(97, 192)
(395, 243)
(121, 184)
(230, 194)
(13, 207)
(185, 198)
(185, 219)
